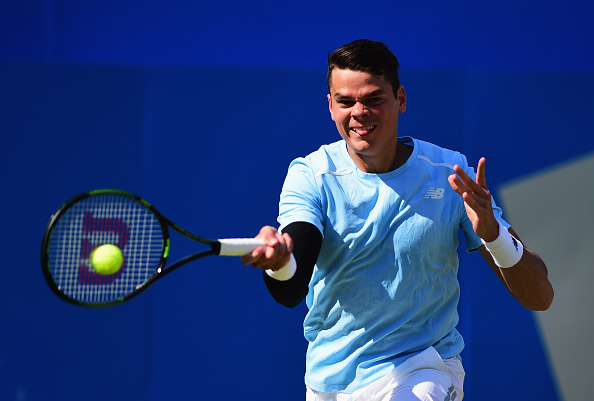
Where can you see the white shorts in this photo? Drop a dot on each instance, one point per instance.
(424, 377)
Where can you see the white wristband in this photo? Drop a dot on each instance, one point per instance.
(285, 272)
(506, 250)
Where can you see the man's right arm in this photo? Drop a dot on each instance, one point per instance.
(306, 242)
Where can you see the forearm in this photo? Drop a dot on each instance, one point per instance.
(290, 292)
(307, 241)
(527, 280)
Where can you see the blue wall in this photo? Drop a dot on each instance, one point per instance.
(200, 109)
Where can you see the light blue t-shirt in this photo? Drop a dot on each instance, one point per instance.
(385, 284)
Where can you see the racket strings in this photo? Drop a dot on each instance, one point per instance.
(98, 220)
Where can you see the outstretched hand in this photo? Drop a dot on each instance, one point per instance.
(274, 255)
(477, 200)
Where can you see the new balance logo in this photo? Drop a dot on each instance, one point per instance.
(451, 396)
(434, 193)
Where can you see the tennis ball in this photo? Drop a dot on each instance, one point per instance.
(107, 259)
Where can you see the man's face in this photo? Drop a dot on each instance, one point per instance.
(365, 111)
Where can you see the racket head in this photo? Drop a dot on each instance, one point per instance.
(89, 220)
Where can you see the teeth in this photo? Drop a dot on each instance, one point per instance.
(368, 128)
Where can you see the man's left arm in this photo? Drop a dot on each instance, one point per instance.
(521, 270)
(527, 280)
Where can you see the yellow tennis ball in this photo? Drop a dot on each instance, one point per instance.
(107, 259)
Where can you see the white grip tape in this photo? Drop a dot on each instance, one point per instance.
(239, 246)
(284, 273)
(505, 249)
(242, 246)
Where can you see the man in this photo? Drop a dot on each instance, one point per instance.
(372, 222)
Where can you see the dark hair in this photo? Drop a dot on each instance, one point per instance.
(368, 56)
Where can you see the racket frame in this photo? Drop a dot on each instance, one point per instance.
(160, 271)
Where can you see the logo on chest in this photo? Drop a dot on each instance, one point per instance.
(434, 193)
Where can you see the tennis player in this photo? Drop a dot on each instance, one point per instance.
(372, 221)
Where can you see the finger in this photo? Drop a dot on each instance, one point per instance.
(463, 181)
(456, 184)
(476, 197)
(282, 248)
(289, 242)
(277, 256)
(283, 253)
(473, 201)
(268, 234)
(253, 256)
(480, 173)
(471, 185)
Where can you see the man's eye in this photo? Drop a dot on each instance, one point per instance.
(346, 103)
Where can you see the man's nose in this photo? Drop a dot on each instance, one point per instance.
(359, 110)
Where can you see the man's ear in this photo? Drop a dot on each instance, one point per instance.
(402, 99)
(330, 107)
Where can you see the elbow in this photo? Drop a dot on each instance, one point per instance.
(541, 302)
(290, 300)
(548, 301)
(289, 293)
(291, 305)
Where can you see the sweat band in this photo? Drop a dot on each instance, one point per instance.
(506, 250)
(285, 272)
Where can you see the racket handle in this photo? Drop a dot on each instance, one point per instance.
(239, 246)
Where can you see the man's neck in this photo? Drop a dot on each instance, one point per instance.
(376, 165)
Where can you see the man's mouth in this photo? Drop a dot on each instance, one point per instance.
(362, 130)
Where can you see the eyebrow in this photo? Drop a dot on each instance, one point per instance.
(376, 92)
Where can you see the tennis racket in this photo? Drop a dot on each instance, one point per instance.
(106, 216)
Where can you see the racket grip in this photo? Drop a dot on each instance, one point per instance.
(239, 246)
